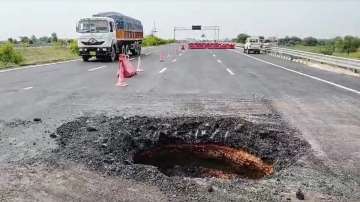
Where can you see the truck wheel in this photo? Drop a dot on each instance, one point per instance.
(126, 50)
(85, 58)
(112, 54)
(133, 52)
(136, 51)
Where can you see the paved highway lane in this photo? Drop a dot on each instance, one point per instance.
(327, 115)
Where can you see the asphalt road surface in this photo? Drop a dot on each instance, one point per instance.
(323, 106)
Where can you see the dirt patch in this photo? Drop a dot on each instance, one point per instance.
(204, 161)
(70, 183)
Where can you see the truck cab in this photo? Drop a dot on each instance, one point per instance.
(106, 34)
(97, 38)
(252, 44)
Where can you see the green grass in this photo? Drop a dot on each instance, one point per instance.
(47, 54)
(155, 41)
(355, 55)
(43, 55)
(317, 49)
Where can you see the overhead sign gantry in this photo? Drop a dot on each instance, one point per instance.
(216, 30)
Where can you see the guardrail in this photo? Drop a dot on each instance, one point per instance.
(352, 64)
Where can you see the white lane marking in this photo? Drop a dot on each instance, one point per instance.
(219, 61)
(214, 55)
(302, 74)
(230, 72)
(139, 63)
(163, 70)
(131, 59)
(180, 54)
(96, 68)
(148, 53)
(28, 88)
(174, 60)
(33, 66)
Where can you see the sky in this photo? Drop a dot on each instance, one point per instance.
(318, 18)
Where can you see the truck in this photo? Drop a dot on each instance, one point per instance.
(106, 35)
(252, 44)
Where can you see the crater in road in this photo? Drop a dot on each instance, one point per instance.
(221, 147)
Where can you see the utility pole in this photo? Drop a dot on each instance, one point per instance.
(154, 30)
(174, 33)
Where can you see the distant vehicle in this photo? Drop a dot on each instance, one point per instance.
(105, 35)
(252, 44)
(269, 43)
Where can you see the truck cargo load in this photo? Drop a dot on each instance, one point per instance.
(127, 28)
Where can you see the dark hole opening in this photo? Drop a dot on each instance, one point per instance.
(204, 161)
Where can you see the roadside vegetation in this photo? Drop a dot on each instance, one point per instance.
(348, 46)
(327, 51)
(241, 38)
(9, 56)
(155, 41)
(33, 50)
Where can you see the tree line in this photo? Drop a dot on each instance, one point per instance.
(52, 40)
(347, 44)
(33, 40)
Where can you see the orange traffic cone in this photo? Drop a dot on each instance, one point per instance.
(129, 70)
(138, 69)
(121, 78)
(162, 58)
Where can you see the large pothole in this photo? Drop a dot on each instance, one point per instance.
(204, 160)
(224, 147)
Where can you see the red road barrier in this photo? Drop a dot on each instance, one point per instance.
(212, 45)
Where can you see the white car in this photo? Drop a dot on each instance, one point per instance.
(253, 44)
